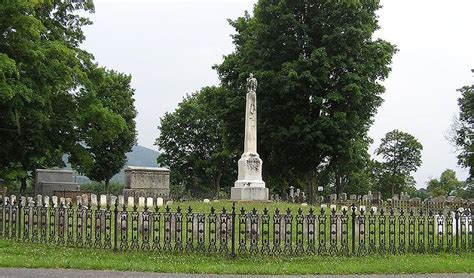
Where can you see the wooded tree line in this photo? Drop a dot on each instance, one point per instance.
(320, 69)
(54, 98)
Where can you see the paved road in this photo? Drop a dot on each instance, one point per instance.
(62, 273)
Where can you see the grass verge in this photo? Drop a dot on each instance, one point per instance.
(14, 254)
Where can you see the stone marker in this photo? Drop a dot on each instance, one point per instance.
(22, 202)
(68, 202)
(324, 206)
(47, 181)
(79, 201)
(54, 199)
(121, 200)
(169, 203)
(249, 185)
(353, 197)
(46, 201)
(93, 200)
(39, 200)
(149, 202)
(85, 200)
(344, 208)
(103, 201)
(141, 202)
(333, 198)
(62, 201)
(332, 207)
(12, 199)
(362, 208)
(304, 204)
(159, 201)
(292, 191)
(206, 201)
(374, 209)
(343, 197)
(112, 201)
(131, 201)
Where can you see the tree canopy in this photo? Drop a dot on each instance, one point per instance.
(42, 73)
(319, 68)
(401, 154)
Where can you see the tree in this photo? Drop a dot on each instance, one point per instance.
(464, 129)
(106, 124)
(401, 153)
(193, 141)
(319, 68)
(448, 184)
(40, 68)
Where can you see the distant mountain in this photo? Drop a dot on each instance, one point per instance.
(139, 156)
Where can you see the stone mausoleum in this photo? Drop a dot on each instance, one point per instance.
(147, 182)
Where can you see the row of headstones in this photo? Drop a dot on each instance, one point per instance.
(85, 201)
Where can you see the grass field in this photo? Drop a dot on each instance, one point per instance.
(13, 254)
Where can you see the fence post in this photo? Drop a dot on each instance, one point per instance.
(456, 217)
(19, 217)
(232, 254)
(115, 224)
(353, 227)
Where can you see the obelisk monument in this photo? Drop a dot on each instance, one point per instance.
(249, 185)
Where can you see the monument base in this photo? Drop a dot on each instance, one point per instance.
(148, 192)
(249, 191)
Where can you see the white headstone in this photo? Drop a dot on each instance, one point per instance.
(46, 201)
(62, 201)
(141, 202)
(39, 200)
(22, 201)
(169, 203)
(207, 201)
(344, 208)
(68, 202)
(113, 199)
(324, 206)
(121, 200)
(304, 204)
(332, 207)
(79, 201)
(149, 202)
(374, 209)
(362, 208)
(93, 200)
(55, 201)
(159, 202)
(131, 201)
(85, 200)
(12, 199)
(103, 201)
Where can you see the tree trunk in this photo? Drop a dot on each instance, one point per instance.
(22, 186)
(107, 181)
(311, 180)
(218, 184)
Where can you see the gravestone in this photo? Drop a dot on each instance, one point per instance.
(343, 197)
(376, 198)
(353, 197)
(333, 198)
(147, 182)
(48, 181)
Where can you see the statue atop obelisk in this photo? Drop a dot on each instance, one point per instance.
(249, 185)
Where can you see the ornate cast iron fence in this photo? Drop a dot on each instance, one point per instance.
(237, 232)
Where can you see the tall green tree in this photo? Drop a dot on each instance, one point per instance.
(464, 129)
(319, 67)
(401, 154)
(41, 66)
(447, 184)
(193, 140)
(106, 122)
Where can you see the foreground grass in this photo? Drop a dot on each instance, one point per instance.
(13, 254)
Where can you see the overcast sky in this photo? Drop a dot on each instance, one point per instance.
(169, 47)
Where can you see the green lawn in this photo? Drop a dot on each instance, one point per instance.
(13, 254)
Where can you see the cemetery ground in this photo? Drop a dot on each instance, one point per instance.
(14, 254)
(20, 255)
